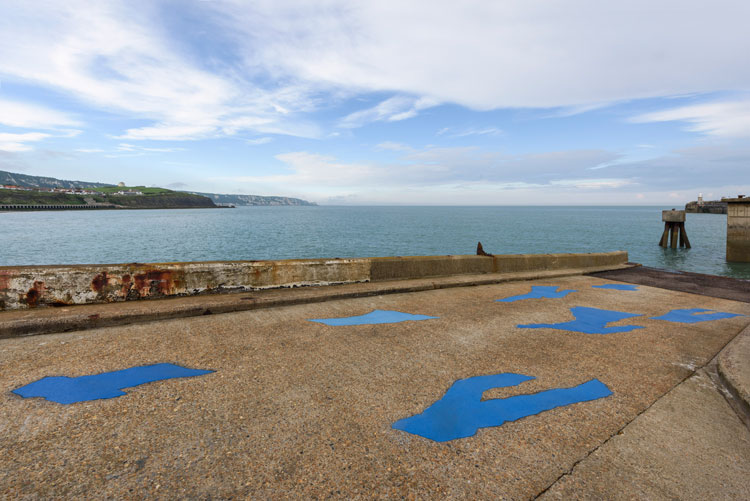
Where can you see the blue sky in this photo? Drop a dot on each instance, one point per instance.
(424, 102)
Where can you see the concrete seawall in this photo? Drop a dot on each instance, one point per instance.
(23, 287)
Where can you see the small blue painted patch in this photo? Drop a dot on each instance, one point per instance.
(538, 292)
(461, 411)
(591, 321)
(69, 390)
(374, 317)
(694, 315)
(617, 287)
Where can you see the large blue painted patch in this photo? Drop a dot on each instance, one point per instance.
(694, 315)
(591, 321)
(617, 287)
(538, 292)
(69, 390)
(374, 317)
(461, 411)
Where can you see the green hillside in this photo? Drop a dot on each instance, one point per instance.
(152, 198)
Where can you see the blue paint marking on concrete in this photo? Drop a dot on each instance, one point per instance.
(69, 390)
(695, 315)
(538, 292)
(617, 287)
(374, 317)
(591, 321)
(461, 411)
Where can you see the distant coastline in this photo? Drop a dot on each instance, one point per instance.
(27, 192)
(253, 200)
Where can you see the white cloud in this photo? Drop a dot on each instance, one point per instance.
(430, 167)
(393, 109)
(281, 60)
(26, 115)
(575, 54)
(595, 184)
(393, 146)
(485, 131)
(138, 148)
(118, 56)
(730, 119)
(17, 142)
(258, 141)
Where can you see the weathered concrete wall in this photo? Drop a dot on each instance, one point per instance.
(738, 230)
(31, 286)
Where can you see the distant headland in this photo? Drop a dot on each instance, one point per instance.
(26, 192)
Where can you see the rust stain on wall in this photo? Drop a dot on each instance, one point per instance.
(126, 285)
(99, 282)
(4, 281)
(156, 282)
(34, 295)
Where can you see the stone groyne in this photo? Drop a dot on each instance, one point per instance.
(23, 287)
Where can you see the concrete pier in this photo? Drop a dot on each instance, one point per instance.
(295, 409)
(738, 229)
(674, 224)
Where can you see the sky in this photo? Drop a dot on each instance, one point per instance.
(425, 102)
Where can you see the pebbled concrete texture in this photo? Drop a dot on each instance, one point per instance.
(688, 445)
(297, 409)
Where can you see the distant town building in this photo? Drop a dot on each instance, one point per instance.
(120, 184)
(129, 192)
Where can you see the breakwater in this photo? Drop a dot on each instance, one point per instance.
(23, 287)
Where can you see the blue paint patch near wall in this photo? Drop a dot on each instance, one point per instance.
(590, 321)
(617, 287)
(69, 390)
(374, 317)
(538, 292)
(461, 411)
(695, 315)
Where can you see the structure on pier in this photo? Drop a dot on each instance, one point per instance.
(738, 229)
(674, 223)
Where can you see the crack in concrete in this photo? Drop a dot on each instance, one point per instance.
(708, 367)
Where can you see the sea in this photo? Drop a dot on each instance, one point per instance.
(287, 232)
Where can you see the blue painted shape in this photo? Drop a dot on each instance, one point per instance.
(461, 411)
(591, 321)
(69, 390)
(694, 315)
(538, 292)
(374, 317)
(617, 287)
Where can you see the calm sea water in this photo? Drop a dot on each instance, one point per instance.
(97, 237)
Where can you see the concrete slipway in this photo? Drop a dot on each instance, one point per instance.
(297, 409)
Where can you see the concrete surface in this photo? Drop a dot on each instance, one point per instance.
(24, 287)
(696, 283)
(297, 409)
(734, 370)
(688, 445)
(48, 320)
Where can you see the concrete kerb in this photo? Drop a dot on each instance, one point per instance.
(733, 367)
(25, 287)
